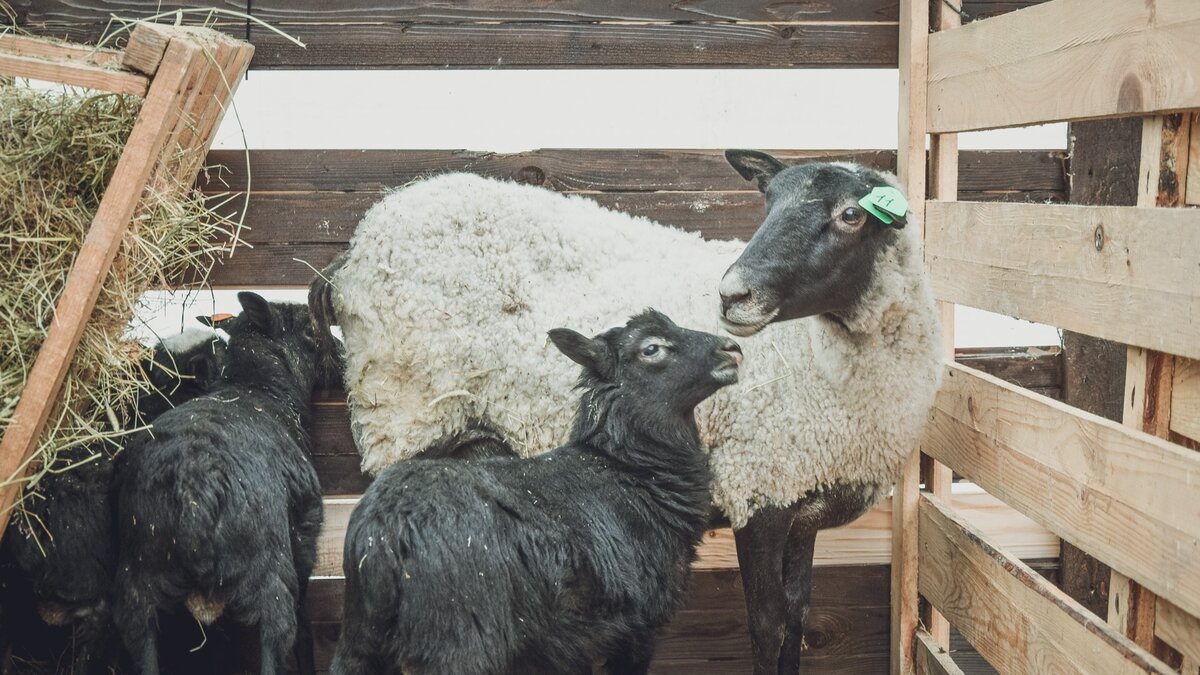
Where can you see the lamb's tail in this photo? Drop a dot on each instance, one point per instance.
(320, 306)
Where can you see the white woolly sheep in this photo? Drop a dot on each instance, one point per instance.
(446, 280)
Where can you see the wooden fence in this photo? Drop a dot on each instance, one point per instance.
(1127, 494)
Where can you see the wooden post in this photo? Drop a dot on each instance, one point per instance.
(943, 186)
(910, 163)
(179, 111)
(1149, 375)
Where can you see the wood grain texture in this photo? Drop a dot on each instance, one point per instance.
(866, 541)
(1071, 59)
(73, 73)
(525, 33)
(1040, 262)
(1008, 173)
(1129, 499)
(1178, 629)
(1185, 399)
(932, 658)
(1016, 619)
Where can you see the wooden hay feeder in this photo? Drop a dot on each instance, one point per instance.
(187, 77)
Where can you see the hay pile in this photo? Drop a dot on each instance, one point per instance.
(58, 149)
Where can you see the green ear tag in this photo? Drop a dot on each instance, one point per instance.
(885, 203)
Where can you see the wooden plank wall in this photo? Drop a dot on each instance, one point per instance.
(306, 203)
(523, 34)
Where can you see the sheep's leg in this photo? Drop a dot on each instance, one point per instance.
(135, 618)
(276, 626)
(760, 548)
(797, 585)
(90, 633)
(304, 550)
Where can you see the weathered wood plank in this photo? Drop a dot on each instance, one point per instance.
(1016, 619)
(523, 33)
(1178, 629)
(1070, 59)
(866, 541)
(1002, 172)
(1129, 499)
(932, 658)
(74, 73)
(1185, 399)
(1122, 273)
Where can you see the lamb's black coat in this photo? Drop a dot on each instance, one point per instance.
(220, 509)
(58, 561)
(545, 564)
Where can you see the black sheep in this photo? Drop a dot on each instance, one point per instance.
(220, 510)
(506, 565)
(58, 560)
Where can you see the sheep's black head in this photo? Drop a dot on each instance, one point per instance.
(653, 361)
(815, 253)
(180, 368)
(273, 337)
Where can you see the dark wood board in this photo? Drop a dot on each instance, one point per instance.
(528, 34)
(567, 170)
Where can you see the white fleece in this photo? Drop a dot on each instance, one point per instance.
(451, 284)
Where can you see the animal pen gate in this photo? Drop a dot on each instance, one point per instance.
(305, 204)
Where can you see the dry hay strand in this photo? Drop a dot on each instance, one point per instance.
(58, 149)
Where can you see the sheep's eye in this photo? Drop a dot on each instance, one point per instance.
(853, 216)
(650, 350)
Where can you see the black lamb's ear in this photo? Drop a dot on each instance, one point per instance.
(587, 352)
(216, 320)
(754, 165)
(257, 312)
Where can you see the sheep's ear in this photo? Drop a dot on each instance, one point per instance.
(202, 370)
(216, 320)
(589, 353)
(754, 165)
(257, 311)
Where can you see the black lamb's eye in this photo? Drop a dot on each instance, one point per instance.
(650, 350)
(853, 215)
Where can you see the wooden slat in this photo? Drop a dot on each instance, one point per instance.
(1016, 619)
(1042, 263)
(526, 33)
(74, 73)
(866, 541)
(1001, 173)
(932, 658)
(1178, 629)
(1069, 59)
(22, 45)
(1130, 499)
(910, 168)
(1185, 399)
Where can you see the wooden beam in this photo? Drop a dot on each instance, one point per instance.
(933, 658)
(1185, 399)
(866, 541)
(1015, 617)
(74, 73)
(1178, 629)
(1121, 273)
(910, 165)
(1066, 60)
(1129, 499)
(23, 45)
(528, 34)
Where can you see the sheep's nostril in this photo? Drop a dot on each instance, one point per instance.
(733, 290)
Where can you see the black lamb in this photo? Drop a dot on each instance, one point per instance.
(548, 564)
(220, 510)
(58, 558)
